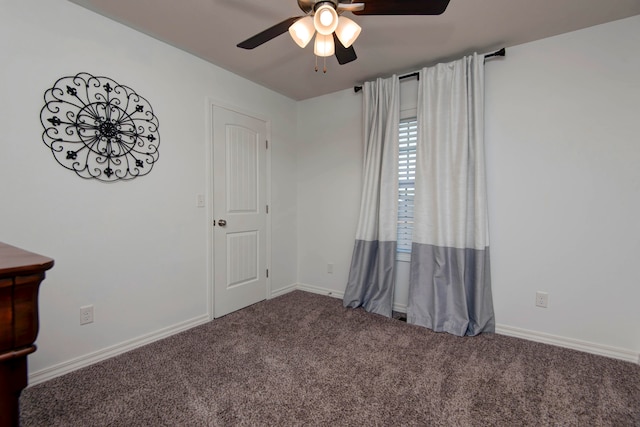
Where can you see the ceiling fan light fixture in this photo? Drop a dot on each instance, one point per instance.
(325, 19)
(347, 31)
(323, 45)
(302, 31)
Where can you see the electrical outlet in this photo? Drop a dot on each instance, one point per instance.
(542, 299)
(86, 314)
(330, 268)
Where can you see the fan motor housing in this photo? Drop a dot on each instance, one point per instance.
(309, 6)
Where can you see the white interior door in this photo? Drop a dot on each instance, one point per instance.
(239, 209)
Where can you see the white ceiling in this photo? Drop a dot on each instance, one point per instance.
(210, 29)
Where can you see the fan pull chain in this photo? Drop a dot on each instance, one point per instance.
(324, 68)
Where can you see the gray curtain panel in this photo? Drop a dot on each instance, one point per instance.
(372, 274)
(450, 280)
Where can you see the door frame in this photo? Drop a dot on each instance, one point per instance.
(211, 103)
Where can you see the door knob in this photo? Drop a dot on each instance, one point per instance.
(222, 222)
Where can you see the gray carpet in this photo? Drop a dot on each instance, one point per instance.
(302, 359)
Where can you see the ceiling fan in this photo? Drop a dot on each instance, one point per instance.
(336, 33)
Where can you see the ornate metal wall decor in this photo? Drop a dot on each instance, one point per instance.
(99, 128)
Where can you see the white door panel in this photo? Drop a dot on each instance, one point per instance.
(239, 207)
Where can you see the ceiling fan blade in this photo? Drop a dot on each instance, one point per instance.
(344, 55)
(268, 34)
(403, 7)
(350, 7)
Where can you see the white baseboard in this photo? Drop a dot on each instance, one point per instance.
(339, 294)
(282, 291)
(585, 346)
(320, 290)
(83, 361)
(400, 308)
(105, 353)
(97, 356)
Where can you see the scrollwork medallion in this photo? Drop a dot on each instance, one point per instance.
(99, 128)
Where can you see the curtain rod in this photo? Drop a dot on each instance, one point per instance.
(501, 52)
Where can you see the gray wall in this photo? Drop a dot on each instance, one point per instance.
(135, 250)
(563, 183)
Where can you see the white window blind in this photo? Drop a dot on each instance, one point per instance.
(408, 136)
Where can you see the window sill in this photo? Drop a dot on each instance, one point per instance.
(403, 256)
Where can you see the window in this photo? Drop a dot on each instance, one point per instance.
(407, 138)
